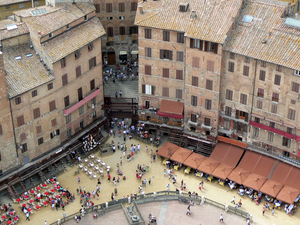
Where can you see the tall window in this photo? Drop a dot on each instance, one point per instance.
(122, 30)
(109, 7)
(53, 122)
(275, 97)
(243, 99)
(97, 6)
(63, 62)
(165, 92)
(291, 114)
(231, 66)
(68, 119)
(147, 33)
(36, 113)
(180, 37)
(133, 6)
(92, 84)
(110, 31)
(255, 132)
(78, 71)
(148, 52)
(271, 136)
(295, 87)
(277, 79)
(77, 54)
(274, 108)
(80, 95)
(67, 101)
(207, 121)
(179, 74)
(194, 100)
(179, 56)
(194, 118)
(246, 71)
(1, 131)
(262, 75)
(50, 86)
(259, 104)
(64, 79)
(195, 81)
(195, 62)
(286, 142)
(34, 93)
(121, 7)
(179, 93)
(92, 62)
(210, 66)
(229, 94)
(18, 100)
(278, 68)
(40, 141)
(166, 35)
(263, 64)
(166, 72)
(209, 84)
(207, 103)
(228, 111)
(147, 69)
(260, 92)
(20, 120)
(52, 106)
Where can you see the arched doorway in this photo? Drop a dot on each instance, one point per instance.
(111, 57)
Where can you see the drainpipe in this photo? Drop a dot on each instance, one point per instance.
(13, 126)
(254, 81)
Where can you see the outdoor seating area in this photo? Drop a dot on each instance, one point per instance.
(93, 166)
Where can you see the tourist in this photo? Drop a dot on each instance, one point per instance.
(221, 219)
(233, 200)
(188, 210)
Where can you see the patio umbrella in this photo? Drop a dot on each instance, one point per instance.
(52, 180)
(239, 175)
(38, 207)
(46, 193)
(222, 171)
(3, 216)
(24, 205)
(39, 198)
(9, 222)
(52, 190)
(18, 200)
(32, 191)
(50, 199)
(11, 213)
(64, 193)
(31, 201)
(38, 188)
(16, 218)
(58, 187)
(271, 188)
(45, 203)
(288, 194)
(255, 181)
(44, 185)
(57, 196)
(29, 209)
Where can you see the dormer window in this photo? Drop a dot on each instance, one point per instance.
(77, 54)
(183, 7)
(90, 46)
(68, 26)
(85, 17)
(51, 35)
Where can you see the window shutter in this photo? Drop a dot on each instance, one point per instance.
(161, 53)
(170, 55)
(52, 106)
(78, 71)
(153, 90)
(53, 122)
(195, 81)
(191, 43)
(295, 87)
(143, 88)
(165, 72)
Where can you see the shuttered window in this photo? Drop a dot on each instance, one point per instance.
(246, 71)
(36, 113)
(122, 30)
(207, 121)
(274, 108)
(194, 118)
(195, 81)
(78, 71)
(67, 101)
(194, 100)
(147, 70)
(179, 74)
(97, 6)
(165, 92)
(243, 99)
(166, 72)
(64, 79)
(148, 52)
(80, 95)
(121, 7)
(34, 93)
(109, 7)
(259, 104)
(18, 100)
(50, 86)
(262, 75)
(229, 94)
(63, 62)
(231, 67)
(39, 129)
(77, 54)
(147, 33)
(277, 79)
(20, 121)
(40, 141)
(228, 111)
(1, 131)
(166, 54)
(133, 6)
(92, 62)
(275, 97)
(179, 93)
(278, 68)
(209, 84)
(260, 92)
(92, 84)
(247, 60)
(23, 137)
(179, 57)
(52, 106)
(166, 35)
(232, 55)
(180, 37)
(207, 103)
(263, 64)
(53, 122)
(110, 31)
(195, 62)
(295, 87)
(210, 66)
(291, 114)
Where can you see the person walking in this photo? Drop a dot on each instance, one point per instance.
(200, 186)
(168, 187)
(46, 222)
(264, 210)
(120, 93)
(149, 181)
(116, 94)
(78, 180)
(273, 211)
(233, 200)
(221, 219)
(188, 211)
(27, 216)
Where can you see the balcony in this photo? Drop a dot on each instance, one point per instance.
(171, 123)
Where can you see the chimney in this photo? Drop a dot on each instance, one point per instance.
(141, 9)
(193, 14)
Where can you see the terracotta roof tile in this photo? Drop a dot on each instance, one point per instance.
(266, 38)
(5, 34)
(74, 39)
(9, 2)
(24, 74)
(214, 17)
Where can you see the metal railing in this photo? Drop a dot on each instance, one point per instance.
(104, 208)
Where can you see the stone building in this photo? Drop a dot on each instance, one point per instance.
(117, 18)
(260, 82)
(8, 7)
(53, 72)
(180, 60)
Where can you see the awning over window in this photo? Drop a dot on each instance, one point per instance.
(274, 130)
(171, 109)
(82, 102)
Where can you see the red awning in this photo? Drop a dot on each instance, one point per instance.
(169, 115)
(82, 102)
(274, 130)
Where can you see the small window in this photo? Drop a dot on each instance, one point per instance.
(67, 101)
(289, 130)
(232, 55)
(263, 64)
(256, 120)
(63, 62)
(297, 72)
(195, 62)
(34, 93)
(165, 92)
(209, 84)
(194, 100)
(194, 118)
(275, 97)
(286, 142)
(51, 35)
(64, 79)
(40, 141)
(229, 94)
(81, 124)
(291, 114)
(39, 129)
(18, 100)
(247, 60)
(166, 35)
(255, 132)
(68, 119)
(77, 54)
(20, 121)
(92, 63)
(271, 136)
(109, 18)
(180, 38)
(54, 133)
(147, 33)
(278, 68)
(85, 17)
(262, 75)
(166, 72)
(293, 101)
(210, 66)
(243, 99)
(53, 123)
(81, 110)
(7, 6)
(21, 6)
(295, 87)
(277, 79)
(68, 27)
(78, 71)
(179, 93)
(228, 111)
(179, 74)
(50, 86)
(208, 103)
(80, 94)
(69, 133)
(246, 71)
(148, 52)
(179, 57)
(274, 108)
(272, 124)
(92, 84)
(90, 46)
(28, 55)
(36, 113)
(207, 121)
(23, 147)
(260, 92)
(259, 104)
(52, 106)
(147, 70)
(231, 67)
(194, 81)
